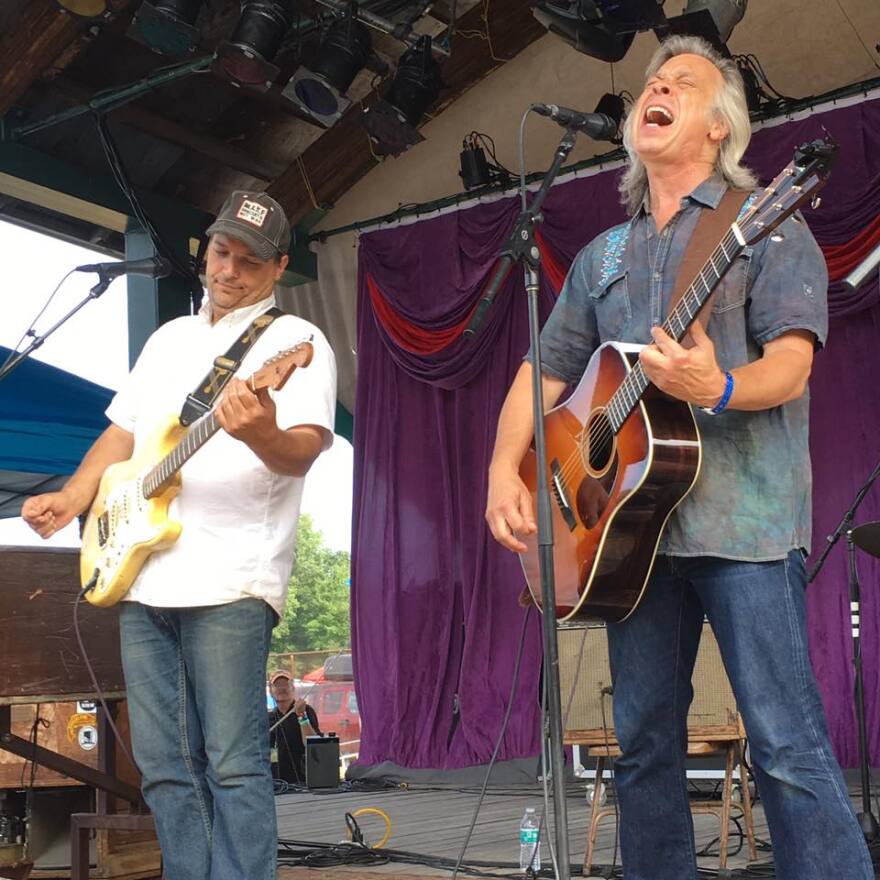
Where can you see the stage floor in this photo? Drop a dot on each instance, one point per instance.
(434, 822)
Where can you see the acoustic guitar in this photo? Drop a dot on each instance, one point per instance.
(128, 520)
(621, 455)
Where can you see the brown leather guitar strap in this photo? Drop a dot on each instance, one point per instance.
(710, 229)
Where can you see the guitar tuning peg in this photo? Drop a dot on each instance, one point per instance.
(817, 200)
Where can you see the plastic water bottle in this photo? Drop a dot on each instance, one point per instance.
(529, 844)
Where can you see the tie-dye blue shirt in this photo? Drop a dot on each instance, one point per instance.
(752, 498)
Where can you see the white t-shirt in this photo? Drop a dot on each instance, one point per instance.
(239, 519)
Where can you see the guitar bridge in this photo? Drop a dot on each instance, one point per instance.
(560, 492)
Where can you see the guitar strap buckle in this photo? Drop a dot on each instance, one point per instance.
(201, 400)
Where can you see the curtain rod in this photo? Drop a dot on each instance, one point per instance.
(415, 210)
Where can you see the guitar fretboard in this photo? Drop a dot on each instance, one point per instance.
(630, 392)
(198, 434)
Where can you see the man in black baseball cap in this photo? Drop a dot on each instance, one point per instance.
(256, 219)
(247, 253)
(196, 624)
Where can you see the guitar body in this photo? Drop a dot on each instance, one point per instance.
(123, 527)
(610, 495)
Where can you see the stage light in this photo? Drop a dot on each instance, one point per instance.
(392, 121)
(614, 107)
(603, 29)
(85, 8)
(417, 82)
(725, 15)
(246, 58)
(167, 26)
(320, 90)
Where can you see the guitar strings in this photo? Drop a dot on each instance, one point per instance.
(605, 431)
(771, 193)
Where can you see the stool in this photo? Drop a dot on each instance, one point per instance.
(82, 823)
(731, 748)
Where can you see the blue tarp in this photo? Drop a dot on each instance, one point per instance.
(48, 420)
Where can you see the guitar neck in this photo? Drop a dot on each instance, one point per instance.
(636, 383)
(198, 434)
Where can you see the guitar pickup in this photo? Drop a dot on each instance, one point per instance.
(561, 493)
(103, 529)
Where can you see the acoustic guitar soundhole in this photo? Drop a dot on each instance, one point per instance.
(598, 442)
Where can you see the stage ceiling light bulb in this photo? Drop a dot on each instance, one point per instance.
(246, 58)
(85, 8)
(167, 26)
(320, 90)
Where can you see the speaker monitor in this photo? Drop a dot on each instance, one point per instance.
(584, 672)
(322, 761)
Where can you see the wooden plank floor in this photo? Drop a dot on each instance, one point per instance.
(435, 822)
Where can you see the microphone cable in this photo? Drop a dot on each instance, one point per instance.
(120, 175)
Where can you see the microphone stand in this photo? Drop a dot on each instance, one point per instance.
(867, 821)
(522, 247)
(17, 357)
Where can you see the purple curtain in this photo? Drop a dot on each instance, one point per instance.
(435, 619)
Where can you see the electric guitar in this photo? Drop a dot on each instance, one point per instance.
(621, 455)
(128, 520)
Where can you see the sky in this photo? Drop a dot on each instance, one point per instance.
(94, 344)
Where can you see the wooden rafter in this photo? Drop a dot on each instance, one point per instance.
(40, 36)
(165, 129)
(342, 156)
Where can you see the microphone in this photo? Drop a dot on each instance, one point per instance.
(598, 126)
(152, 267)
(860, 274)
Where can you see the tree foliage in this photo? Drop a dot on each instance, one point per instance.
(316, 614)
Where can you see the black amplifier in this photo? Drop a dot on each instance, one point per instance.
(322, 761)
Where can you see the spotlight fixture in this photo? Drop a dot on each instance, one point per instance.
(614, 107)
(167, 26)
(320, 90)
(392, 122)
(603, 29)
(712, 19)
(86, 8)
(246, 58)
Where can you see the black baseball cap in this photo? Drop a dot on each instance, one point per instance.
(256, 219)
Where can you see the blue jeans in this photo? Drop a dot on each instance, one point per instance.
(758, 615)
(195, 679)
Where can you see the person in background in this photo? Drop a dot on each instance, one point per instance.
(287, 740)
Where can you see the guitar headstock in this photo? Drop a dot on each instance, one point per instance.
(278, 369)
(798, 183)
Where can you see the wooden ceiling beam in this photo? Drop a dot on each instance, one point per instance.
(40, 36)
(165, 129)
(342, 156)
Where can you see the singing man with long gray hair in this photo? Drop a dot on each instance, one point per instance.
(734, 549)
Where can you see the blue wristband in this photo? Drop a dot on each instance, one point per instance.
(725, 397)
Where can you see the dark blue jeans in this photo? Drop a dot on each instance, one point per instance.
(196, 685)
(758, 615)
